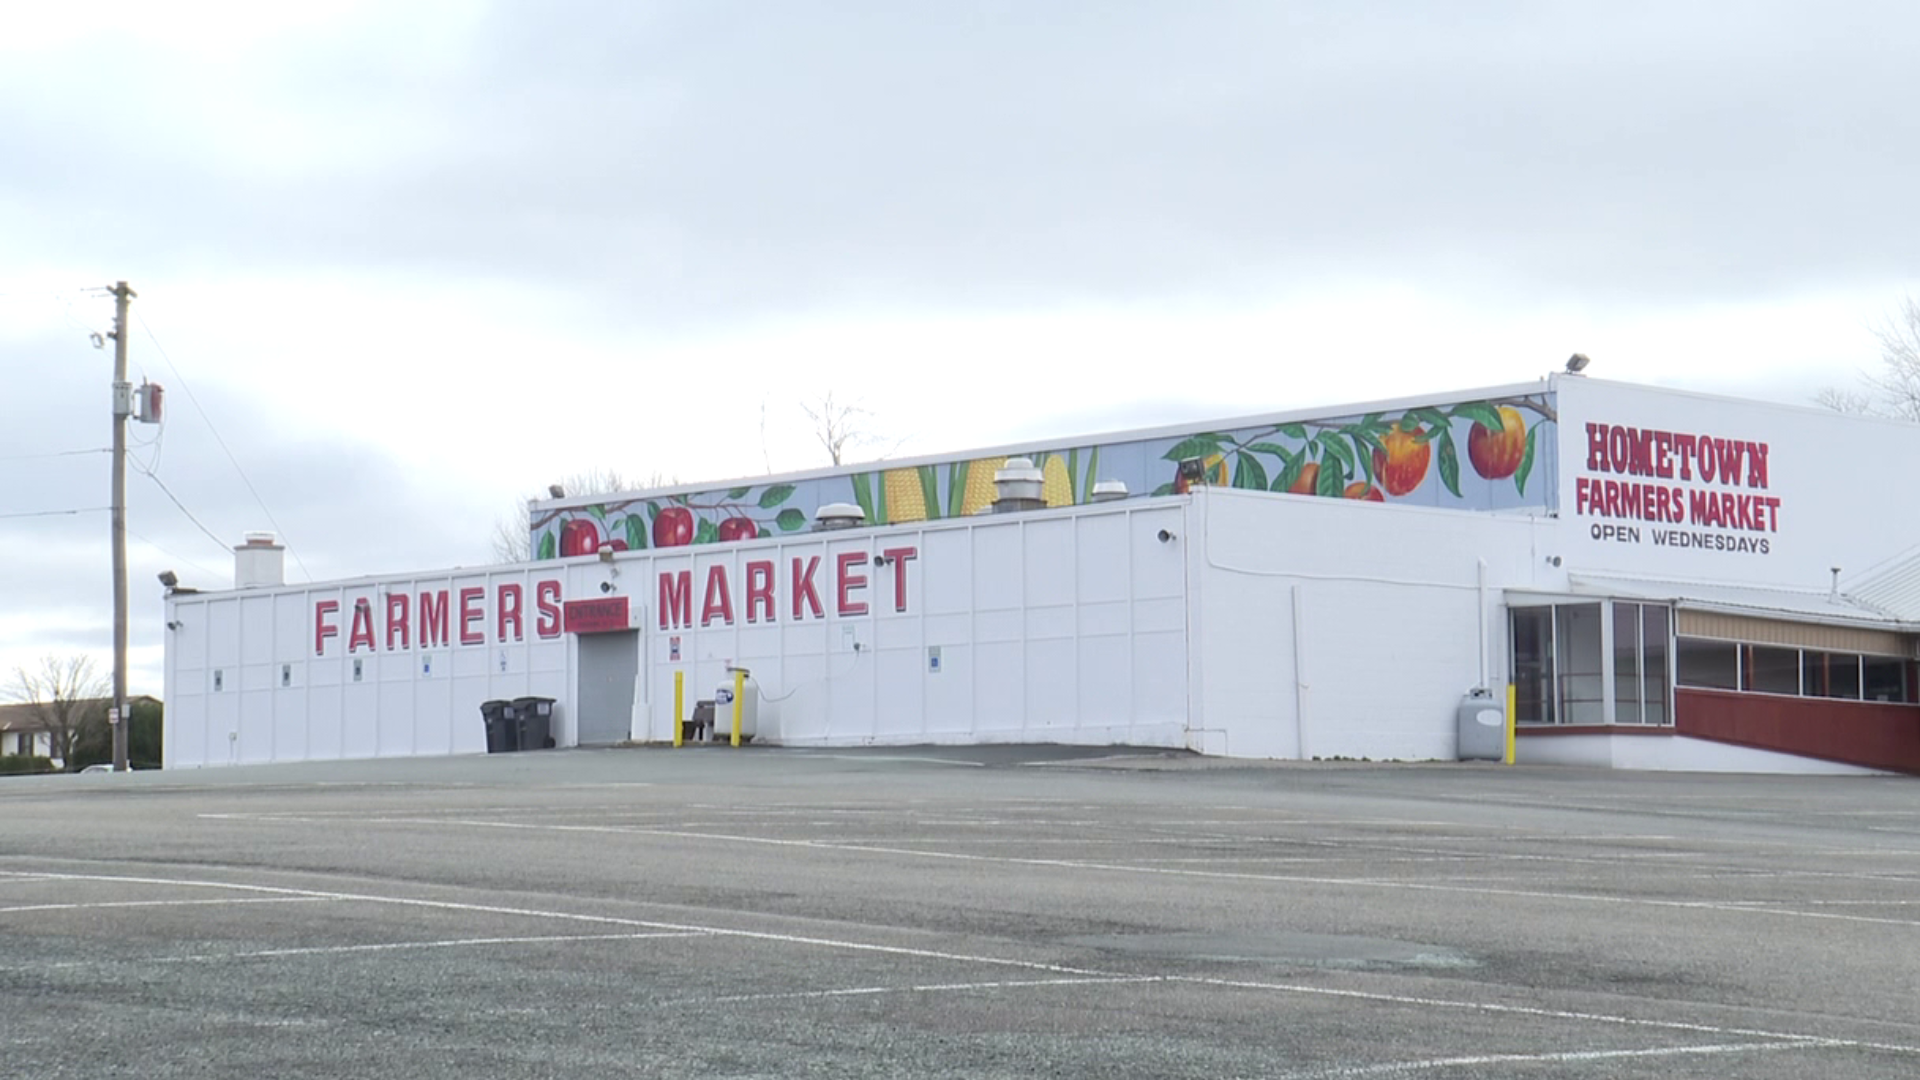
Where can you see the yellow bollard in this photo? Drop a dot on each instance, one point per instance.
(739, 688)
(679, 702)
(1512, 701)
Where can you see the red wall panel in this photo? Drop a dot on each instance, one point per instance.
(1868, 733)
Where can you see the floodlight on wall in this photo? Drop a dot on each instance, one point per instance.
(606, 586)
(169, 579)
(1193, 471)
(556, 491)
(1165, 537)
(1577, 363)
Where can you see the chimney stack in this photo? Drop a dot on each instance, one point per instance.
(259, 562)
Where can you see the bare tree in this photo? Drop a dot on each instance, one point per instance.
(1893, 392)
(65, 696)
(512, 539)
(843, 428)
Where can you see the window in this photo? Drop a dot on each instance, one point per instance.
(1834, 675)
(1578, 657)
(1714, 665)
(1571, 661)
(1532, 665)
(1884, 678)
(1778, 669)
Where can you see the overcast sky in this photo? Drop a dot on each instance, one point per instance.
(400, 263)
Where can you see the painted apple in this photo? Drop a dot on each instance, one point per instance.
(1360, 489)
(617, 544)
(738, 528)
(1401, 463)
(1308, 482)
(673, 528)
(579, 537)
(1496, 454)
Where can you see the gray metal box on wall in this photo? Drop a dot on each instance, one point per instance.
(1482, 721)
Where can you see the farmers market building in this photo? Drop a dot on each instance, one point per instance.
(1665, 580)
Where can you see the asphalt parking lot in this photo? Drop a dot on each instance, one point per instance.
(1005, 912)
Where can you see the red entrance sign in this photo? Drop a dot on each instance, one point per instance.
(596, 616)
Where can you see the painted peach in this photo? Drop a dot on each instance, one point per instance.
(1496, 454)
(1403, 464)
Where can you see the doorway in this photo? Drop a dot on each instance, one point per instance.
(609, 664)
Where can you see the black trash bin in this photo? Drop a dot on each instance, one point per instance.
(535, 722)
(503, 735)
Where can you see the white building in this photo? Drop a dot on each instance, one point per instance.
(1666, 580)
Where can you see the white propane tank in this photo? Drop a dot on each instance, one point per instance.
(749, 707)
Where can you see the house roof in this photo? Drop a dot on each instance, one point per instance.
(25, 716)
(1893, 585)
(1760, 601)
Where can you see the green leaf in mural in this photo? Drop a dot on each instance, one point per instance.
(1271, 448)
(790, 519)
(547, 546)
(879, 515)
(1093, 474)
(1289, 475)
(636, 533)
(1163, 489)
(1294, 431)
(1331, 446)
(930, 490)
(653, 510)
(1361, 451)
(775, 495)
(1332, 481)
(681, 499)
(1482, 413)
(597, 512)
(705, 533)
(738, 493)
(1526, 461)
(1449, 464)
(1073, 475)
(1248, 473)
(1199, 446)
(863, 493)
(956, 487)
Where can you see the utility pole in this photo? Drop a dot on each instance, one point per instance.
(122, 408)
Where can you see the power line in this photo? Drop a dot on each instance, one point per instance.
(181, 559)
(224, 449)
(58, 453)
(183, 509)
(56, 513)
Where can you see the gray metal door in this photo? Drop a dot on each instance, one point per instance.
(608, 665)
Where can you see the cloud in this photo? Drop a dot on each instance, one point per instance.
(700, 163)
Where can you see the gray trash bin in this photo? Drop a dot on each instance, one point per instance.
(1482, 721)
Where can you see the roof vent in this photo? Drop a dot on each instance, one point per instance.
(1019, 486)
(1109, 491)
(835, 516)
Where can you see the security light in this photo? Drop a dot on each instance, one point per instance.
(169, 579)
(1193, 469)
(556, 491)
(1577, 363)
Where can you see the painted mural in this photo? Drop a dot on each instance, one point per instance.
(1491, 454)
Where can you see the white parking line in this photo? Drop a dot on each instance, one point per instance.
(161, 903)
(389, 946)
(932, 988)
(1170, 871)
(1091, 975)
(1561, 1057)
